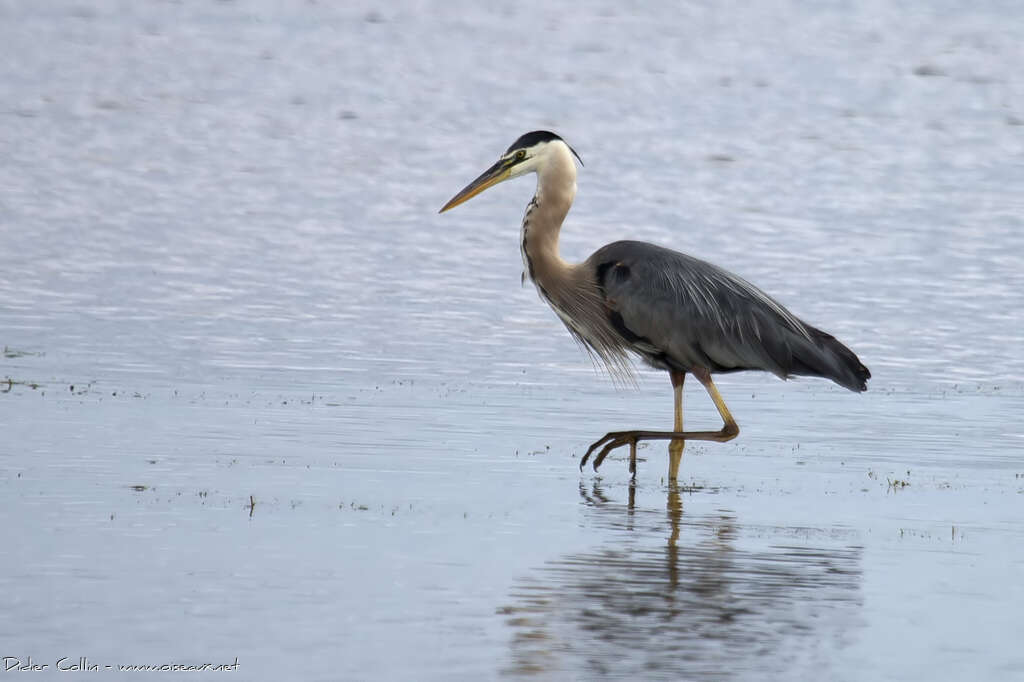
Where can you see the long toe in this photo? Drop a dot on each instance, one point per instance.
(616, 442)
(593, 446)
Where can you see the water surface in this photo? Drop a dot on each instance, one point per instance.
(265, 403)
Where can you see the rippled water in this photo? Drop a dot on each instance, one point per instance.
(261, 401)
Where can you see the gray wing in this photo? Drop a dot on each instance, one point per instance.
(679, 312)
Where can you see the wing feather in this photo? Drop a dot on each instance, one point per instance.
(695, 313)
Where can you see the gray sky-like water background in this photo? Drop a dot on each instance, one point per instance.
(223, 278)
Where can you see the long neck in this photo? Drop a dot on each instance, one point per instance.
(556, 188)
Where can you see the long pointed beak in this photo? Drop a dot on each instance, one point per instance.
(492, 176)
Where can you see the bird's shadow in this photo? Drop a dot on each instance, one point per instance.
(682, 596)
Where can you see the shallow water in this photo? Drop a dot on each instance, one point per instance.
(264, 403)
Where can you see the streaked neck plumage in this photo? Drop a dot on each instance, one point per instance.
(556, 189)
(571, 290)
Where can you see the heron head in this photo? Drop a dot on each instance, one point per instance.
(530, 153)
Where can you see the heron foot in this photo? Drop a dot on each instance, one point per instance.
(616, 439)
(610, 441)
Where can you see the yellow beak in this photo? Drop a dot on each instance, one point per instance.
(489, 178)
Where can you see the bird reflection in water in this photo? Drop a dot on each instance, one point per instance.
(677, 597)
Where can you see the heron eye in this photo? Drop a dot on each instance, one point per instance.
(520, 155)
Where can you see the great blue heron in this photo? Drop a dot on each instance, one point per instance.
(676, 312)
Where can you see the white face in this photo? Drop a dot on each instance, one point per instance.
(528, 160)
(547, 154)
(543, 157)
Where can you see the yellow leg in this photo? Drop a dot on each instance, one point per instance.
(675, 447)
(616, 439)
(632, 459)
(730, 429)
